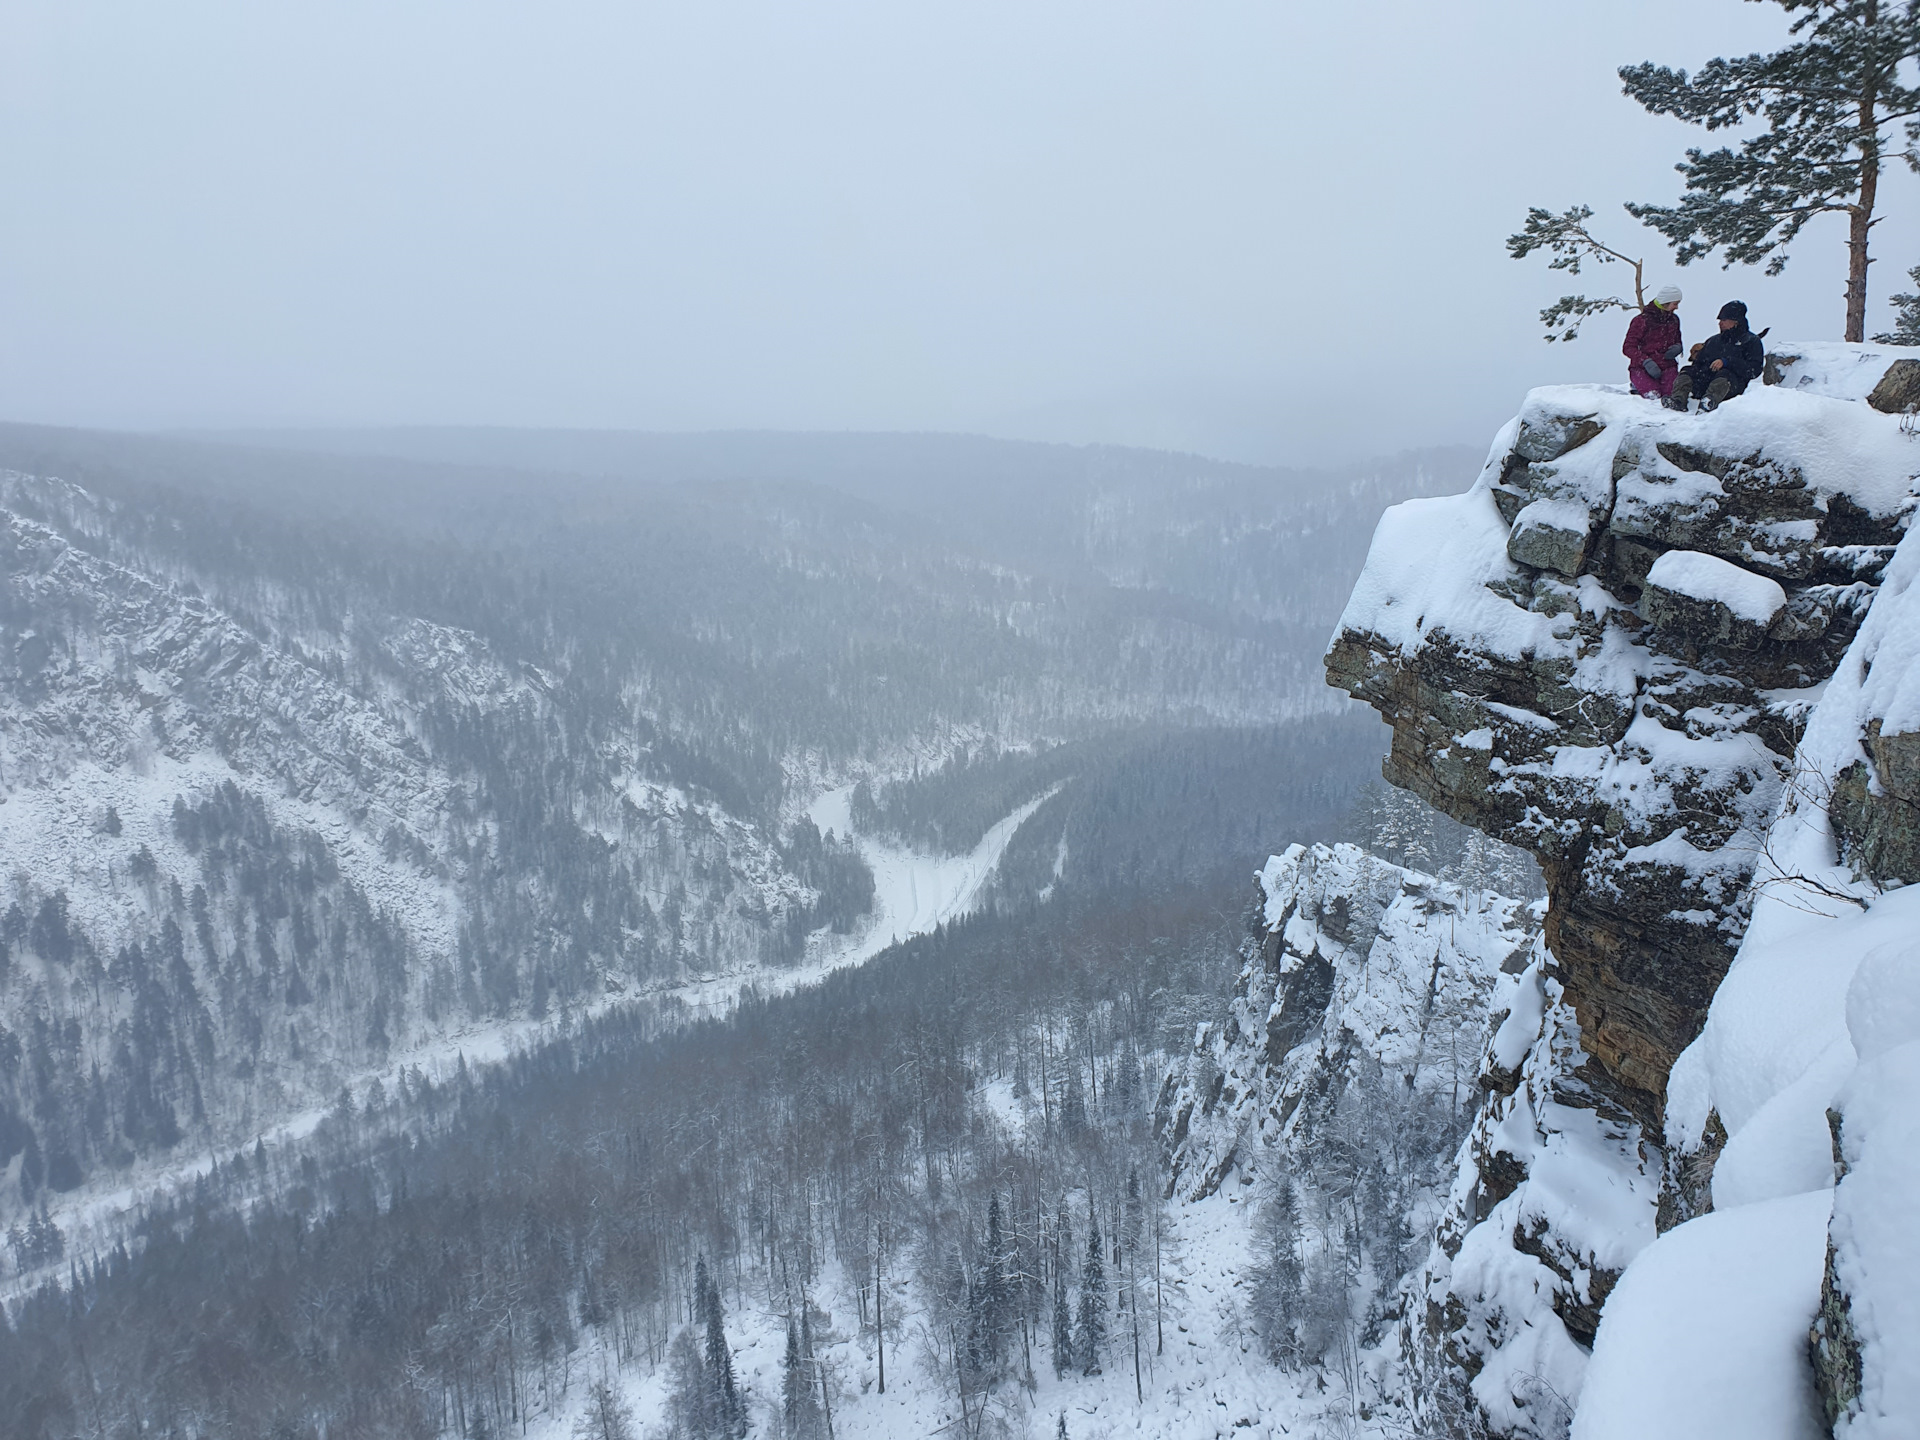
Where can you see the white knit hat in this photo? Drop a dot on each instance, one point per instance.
(1667, 295)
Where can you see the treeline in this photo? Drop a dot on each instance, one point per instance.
(264, 969)
(502, 1228)
(717, 629)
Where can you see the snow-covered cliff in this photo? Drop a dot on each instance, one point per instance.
(1670, 655)
(1353, 966)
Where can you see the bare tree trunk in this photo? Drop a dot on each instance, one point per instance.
(1159, 1298)
(960, 1375)
(1860, 213)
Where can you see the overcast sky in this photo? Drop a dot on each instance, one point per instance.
(1259, 231)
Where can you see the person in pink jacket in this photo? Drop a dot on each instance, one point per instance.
(1653, 346)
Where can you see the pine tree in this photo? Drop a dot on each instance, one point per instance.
(1832, 101)
(800, 1409)
(1090, 1338)
(1906, 313)
(1567, 238)
(724, 1395)
(1062, 1315)
(1278, 1283)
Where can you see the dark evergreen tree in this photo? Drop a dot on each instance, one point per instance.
(800, 1410)
(1274, 1308)
(1906, 316)
(1073, 1104)
(1062, 1312)
(728, 1409)
(1836, 110)
(996, 1283)
(1090, 1335)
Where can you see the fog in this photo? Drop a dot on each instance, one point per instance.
(1263, 232)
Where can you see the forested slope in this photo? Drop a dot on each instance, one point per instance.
(316, 765)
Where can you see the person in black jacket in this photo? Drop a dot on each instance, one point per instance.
(1724, 366)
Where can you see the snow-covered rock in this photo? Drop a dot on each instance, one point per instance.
(1700, 715)
(1350, 962)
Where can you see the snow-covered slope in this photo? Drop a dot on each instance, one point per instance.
(244, 863)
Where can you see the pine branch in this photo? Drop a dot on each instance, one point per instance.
(1566, 238)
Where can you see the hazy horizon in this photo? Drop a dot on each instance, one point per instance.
(1248, 233)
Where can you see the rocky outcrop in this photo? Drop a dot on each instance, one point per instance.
(1607, 653)
(1624, 700)
(1351, 965)
(1876, 806)
(1501, 1315)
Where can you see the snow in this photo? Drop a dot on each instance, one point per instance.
(1428, 570)
(1875, 1235)
(1522, 1025)
(1431, 560)
(1834, 367)
(1552, 513)
(914, 893)
(1705, 1337)
(1820, 1010)
(1837, 444)
(1705, 577)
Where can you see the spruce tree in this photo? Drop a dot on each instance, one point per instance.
(1906, 316)
(1091, 1336)
(1062, 1314)
(1278, 1282)
(1073, 1105)
(1835, 111)
(996, 1305)
(800, 1409)
(728, 1411)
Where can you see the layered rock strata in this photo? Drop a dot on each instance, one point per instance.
(1607, 653)
(1604, 654)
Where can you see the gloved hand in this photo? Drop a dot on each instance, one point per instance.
(1673, 351)
(1652, 367)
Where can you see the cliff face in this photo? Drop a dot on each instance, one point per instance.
(1609, 652)
(1352, 968)
(1604, 653)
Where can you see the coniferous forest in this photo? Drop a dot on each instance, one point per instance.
(426, 1033)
